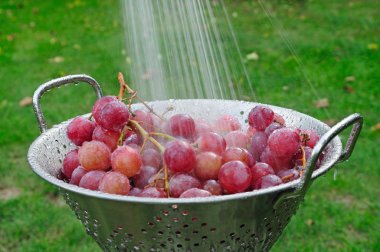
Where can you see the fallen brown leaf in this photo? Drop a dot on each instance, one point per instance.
(309, 222)
(322, 103)
(25, 101)
(57, 59)
(348, 89)
(350, 79)
(9, 193)
(10, 37)
(376, 127)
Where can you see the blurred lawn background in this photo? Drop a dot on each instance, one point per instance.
(337, 41)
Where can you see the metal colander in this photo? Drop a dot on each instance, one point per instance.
(250, 221)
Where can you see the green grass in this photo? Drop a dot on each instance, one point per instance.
(331, 38)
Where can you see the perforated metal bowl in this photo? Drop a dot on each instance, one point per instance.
(250, 221)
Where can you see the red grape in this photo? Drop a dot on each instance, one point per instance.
(279, 119)
(236, 139)
(258, 144)
(126, 160)
(202, 127)
(235, 177)
(272, 127)
(238, 154)
(132, 138)
(182, 125)
(284, 142)
(213, 187)
(260, 117)
(310, 137)
(211, 142)
(145, 119)
(179, 156)
(267, 181)
(227, 123)
(251, 131)
(70, 162)
(181, 182)
(92, 179)
(110, 138)
(80, 130)
(260, 170)
(142, 179)
(276, 162)
(114, 182)
(113, 116)
(194, 193)
(94, 155)
(152, 192)
(100, 103)
(151, 157)
(77, 175)
(134, 191)
(208, 165)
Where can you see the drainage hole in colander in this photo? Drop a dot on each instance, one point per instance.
(186, 226)
(196, 244)
(222, 241)
(120, 227)
(204, 224)
(232, 234)
(158, 218)
(212, 229)
(179, 246)
(141, 242)
(154, 238)
(115, 231)
(204, 237)
(160, 232)
(194, 219)
(184, 213)
(175, 219)
(143, 231)
(130, 235)
(237, 239)
(195, 232)
(242, 225)
(170, 240)
(187, 239)
(162, 245)
(168, 226)
(165, 212)
(253, 235)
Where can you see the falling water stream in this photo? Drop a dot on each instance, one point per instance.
(183, 49)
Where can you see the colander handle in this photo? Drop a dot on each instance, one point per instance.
(357, 121)
(56, 83)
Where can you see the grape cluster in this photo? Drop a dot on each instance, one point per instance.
(140, 154)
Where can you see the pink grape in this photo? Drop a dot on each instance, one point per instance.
(272, 127)
(151, 157)
(299, 155)
(211, 142)
(251, 131)
(113, 116)
(110, 138)
(235, 177)
(77, 175)
(288, 175)
(132, 138)
(94, 155)
(91, 179)
(179, 156)
(152, 192)
(208, 165)
(100, 103)
(202, 127)
(260, 117)
(181, 182)
(260, 170)
(142, 179)
(267, 181)
(126, 160)
(258, 144)
(136, 147)
(276, 162)
(145, 119)
(236, 139)
(195, 193)
(284, 142)
(134, 191)
(227, 123)
(114, 182)
(158, 180)
(70, 162)
(80, 130)
(238, 154)
(182, 125)
(213, 187)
